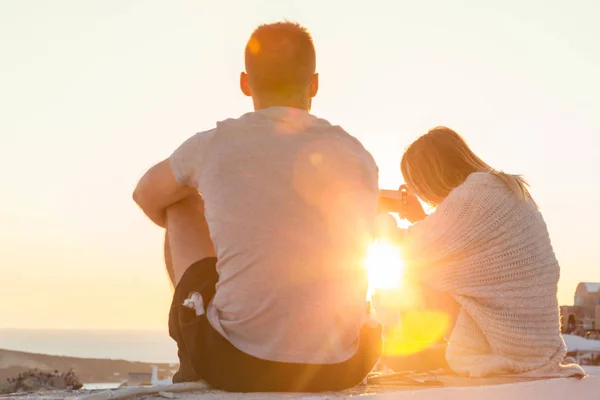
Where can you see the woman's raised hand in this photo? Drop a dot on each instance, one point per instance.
(403, 202)
(410, 207)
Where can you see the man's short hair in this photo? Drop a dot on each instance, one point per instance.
(280, 58)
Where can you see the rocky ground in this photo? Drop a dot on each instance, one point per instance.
(35, 380)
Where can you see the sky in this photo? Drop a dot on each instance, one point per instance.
(92, 93)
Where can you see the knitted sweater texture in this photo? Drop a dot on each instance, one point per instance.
(492, 253)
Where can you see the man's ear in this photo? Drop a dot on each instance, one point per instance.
(314, 85)
(245, 85)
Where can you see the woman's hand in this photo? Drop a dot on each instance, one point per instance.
(403, 202)
(410, 206)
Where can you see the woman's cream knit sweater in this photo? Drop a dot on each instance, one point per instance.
(491, 251)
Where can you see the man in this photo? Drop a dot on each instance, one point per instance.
(267, 259)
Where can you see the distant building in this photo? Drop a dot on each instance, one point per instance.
(147, 378)
(584, 314)
(587, 294)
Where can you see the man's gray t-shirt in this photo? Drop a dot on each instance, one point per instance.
(291, 204)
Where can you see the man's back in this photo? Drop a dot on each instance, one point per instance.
(270, 286)
(290, 202)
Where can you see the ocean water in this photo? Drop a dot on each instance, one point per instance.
(145, 346)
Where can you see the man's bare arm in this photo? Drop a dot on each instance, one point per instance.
(157, 190)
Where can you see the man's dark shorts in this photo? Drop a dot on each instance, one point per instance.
(205, 354)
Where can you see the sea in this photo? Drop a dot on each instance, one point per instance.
(145, 346)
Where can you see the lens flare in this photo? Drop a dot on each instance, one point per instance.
(254, 46)
(408, 327)
(384, 266)
(418, 330)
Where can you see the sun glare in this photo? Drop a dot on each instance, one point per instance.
(408, 329)
(384, 266)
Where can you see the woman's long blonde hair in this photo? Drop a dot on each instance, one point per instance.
(441, 160)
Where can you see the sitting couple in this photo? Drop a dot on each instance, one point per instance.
(267, 261)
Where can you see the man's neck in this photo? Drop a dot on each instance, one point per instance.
(300, 102)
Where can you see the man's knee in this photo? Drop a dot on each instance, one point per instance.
(192, 204)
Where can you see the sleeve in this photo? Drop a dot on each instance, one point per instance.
(186, 161)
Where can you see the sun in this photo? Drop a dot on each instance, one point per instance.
(384, 266)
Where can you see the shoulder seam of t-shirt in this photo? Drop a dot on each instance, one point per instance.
(175, 160)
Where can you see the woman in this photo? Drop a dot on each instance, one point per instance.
(487, 246)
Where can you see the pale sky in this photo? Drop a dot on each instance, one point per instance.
(92, 93)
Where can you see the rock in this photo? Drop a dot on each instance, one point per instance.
(34, 380)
